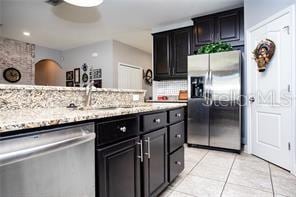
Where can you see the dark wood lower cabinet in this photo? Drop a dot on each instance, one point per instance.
(155, 162)
(130, 166)
(118, 170)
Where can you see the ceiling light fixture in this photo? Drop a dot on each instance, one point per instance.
(26, 33)
(84, 3)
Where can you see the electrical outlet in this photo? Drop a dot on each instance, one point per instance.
(136, 97)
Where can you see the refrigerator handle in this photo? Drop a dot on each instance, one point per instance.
(210, 86)
(206, 87)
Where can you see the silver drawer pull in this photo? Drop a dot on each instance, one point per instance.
(148, 147)
(178, 136)
(141, 150)
(123, 129)
(178, 163)
(178, 115)
(157, 120)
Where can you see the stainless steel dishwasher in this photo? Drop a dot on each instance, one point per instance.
(52, 163)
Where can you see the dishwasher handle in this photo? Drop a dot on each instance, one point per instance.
(21, 155)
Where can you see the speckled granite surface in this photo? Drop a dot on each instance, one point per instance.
(15, 97)
(33, 118)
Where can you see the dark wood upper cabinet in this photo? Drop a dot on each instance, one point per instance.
(203, 31)
(181, 48)
(161, 55)
(229, 27)
(225, 26)
(170, 53)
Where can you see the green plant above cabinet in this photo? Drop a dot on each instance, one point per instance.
(170, 53)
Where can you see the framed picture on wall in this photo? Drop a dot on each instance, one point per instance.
(77, 75)
(69, 76)
(69, 83)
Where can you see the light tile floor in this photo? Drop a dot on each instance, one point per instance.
(210, 173)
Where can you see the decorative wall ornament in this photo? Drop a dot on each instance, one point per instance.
(148, 76)
(12, 75)
(264, 53)
(70, 76)
(77, 75)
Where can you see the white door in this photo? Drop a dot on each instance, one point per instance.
(272, 111)
(129, 77)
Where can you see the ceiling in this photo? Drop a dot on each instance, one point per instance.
(128, 21)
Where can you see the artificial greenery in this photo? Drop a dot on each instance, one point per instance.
(215, 48)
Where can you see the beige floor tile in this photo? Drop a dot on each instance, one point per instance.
(178, 180)
(284, 183)
(179, 194)
(166, 193)
(194, 154)
(202, 187)
(188, 166)
(212, 171)
(249, 162)
(232, 190)
(250, 178)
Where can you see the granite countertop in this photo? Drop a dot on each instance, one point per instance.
(167, 101)
(34, 118)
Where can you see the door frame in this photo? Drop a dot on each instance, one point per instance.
(249, 59)
(128, 65)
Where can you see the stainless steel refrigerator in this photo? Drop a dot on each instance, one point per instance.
(214, 88)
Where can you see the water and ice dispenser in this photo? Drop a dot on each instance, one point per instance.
(197, 87)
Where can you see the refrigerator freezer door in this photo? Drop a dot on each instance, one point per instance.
(198, 122)
(225, 130)
(198, 110)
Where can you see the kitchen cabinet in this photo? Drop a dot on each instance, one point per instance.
(155, 163)
(225, 26)
(118, 170)
(135, 154)
(181, 48)
(170, 53)
(161, 55)
(203, 30)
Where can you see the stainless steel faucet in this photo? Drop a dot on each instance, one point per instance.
(88, 94)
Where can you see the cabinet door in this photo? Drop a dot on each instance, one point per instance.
(181, 48)
(118, 170)
(155, 162)
(161, 55)
(229, 27)
(203, 32)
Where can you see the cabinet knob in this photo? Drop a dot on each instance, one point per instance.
(178, 136)
(123, 129)
(157, 120)
(178, 163)
(178, 115)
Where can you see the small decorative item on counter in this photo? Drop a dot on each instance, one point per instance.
(84, 67)
(264, 53)
(214, 48)
(162, 98)
(183, 95)
(84, 78)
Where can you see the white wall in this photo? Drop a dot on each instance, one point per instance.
(130, 55)
(75, 58)
(258, 10)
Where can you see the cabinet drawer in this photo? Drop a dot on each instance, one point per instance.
(118, 129)
(154, 121)
(176, 164)
(176, 115)
(176, 136)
